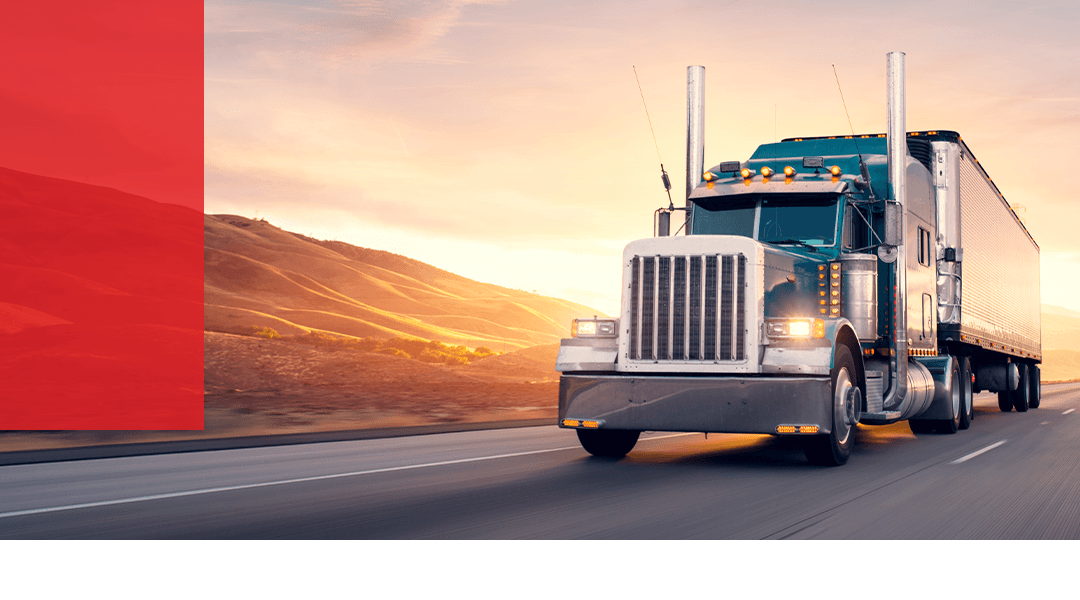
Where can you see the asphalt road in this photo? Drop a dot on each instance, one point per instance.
(1011, 476)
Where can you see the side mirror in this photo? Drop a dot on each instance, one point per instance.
(894, 223)
(663, 223)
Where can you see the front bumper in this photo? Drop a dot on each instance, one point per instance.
(707, 404)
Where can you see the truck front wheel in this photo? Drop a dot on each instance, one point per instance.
(608, 444)
(967, 413)
(834, 448)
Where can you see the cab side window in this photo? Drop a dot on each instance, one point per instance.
(924, 247)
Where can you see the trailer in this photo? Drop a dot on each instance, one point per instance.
(823, 283)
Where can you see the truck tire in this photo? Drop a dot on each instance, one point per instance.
(833, 449)
(1035, 393)
(920, 425)
(956, 406)
(607, 443)
(1021, 396)
(1005, 401)
(967, 404)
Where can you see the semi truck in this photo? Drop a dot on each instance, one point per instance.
(824, 283)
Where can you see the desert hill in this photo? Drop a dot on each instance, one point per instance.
(1060, 343)
(258, 275)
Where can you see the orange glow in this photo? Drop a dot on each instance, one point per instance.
(571, 423)
(808, 429)
(590, 424)
(786, 429)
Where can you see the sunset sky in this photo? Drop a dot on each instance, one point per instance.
(506, 141)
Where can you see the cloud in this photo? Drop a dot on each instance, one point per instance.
(339, 33)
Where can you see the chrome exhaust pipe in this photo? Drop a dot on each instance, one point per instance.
(896, 206)
(695, 127)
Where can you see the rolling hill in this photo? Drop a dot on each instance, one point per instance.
(258, 275)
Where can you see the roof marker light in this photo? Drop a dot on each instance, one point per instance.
(835, 170)
(747, 173)
(789, 171)
(767, 172)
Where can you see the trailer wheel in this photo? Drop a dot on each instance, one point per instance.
(1005, 401)
(609, 443)
(967, 412)
(833, 449)
(1035, 394)
(1021, 396)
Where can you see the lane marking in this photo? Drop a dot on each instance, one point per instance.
(1045, 423)
(1068, 411)
(969, 456)
(37, 511)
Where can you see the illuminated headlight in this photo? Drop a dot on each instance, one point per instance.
(795, 328)
(799, 328)
(594, 328)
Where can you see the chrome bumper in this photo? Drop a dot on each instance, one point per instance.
(707, 404)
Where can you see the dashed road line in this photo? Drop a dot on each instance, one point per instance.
(977, 452)
(1068, 411)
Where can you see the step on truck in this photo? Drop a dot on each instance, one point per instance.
(822, 283)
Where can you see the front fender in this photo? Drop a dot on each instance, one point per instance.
(810, 357)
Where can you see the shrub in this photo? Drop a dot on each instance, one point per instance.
(266, 332)
(394, 352)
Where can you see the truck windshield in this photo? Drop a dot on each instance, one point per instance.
(729, 218)
(806, 219)
(779, 218)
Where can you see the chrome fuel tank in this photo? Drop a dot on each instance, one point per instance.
(860, 293)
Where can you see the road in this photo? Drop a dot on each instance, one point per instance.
(1011, 476)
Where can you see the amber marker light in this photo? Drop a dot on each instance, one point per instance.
(819, 328)
(835, 170)
(571, 423)
(789, 171)
(590, 424)
(786, 429)
(808, 429)
(709, 176)
(767, 172)
(746, 173)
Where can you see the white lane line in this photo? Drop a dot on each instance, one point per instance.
(969, 456)
(37, 511)
(1068, 411)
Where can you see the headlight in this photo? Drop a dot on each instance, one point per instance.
(795, 328)
(594, 327)
(799, 328)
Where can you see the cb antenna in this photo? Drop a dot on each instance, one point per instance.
(663, 174)
(862, 165)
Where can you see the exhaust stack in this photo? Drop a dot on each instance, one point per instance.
(695, 127)
(894, 226)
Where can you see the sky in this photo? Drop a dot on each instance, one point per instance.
(507, 141)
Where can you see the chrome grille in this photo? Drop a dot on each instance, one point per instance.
(688, 308)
